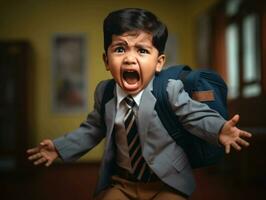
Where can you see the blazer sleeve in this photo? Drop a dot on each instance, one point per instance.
(73, 145)
(196, 117)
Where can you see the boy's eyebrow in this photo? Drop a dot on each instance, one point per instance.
(118, 43)
(143, 45)
(124, 43)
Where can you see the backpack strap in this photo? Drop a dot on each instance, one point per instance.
(163, 107)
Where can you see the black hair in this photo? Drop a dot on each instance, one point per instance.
(135, 19)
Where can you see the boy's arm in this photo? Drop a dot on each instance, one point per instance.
(204, 122)
(231, 136)
(73, 145)
(197, 118)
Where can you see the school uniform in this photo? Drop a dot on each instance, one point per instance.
(163, 156)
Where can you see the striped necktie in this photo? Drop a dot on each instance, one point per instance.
(140, 168)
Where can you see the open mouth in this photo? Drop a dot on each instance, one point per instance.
(131, 76)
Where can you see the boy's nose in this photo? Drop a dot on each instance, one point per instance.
(130, 59)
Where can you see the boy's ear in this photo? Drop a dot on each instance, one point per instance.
(160, 62)
(105, 60)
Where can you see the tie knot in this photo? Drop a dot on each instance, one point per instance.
(130, 101)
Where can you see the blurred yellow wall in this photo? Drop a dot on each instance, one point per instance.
(38, 20)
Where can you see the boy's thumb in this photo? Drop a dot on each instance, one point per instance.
(44, 142)
(234, 120)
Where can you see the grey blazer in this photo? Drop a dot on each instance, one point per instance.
(167, 160)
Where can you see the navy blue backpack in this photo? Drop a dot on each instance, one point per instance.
(202, 85)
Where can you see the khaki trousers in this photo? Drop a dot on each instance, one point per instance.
(122, 189)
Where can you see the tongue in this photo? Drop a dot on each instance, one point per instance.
(131, 77)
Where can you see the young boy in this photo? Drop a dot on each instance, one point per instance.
(140, 161)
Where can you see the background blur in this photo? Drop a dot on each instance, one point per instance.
(37, 39)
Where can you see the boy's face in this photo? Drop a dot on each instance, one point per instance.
(133, 60)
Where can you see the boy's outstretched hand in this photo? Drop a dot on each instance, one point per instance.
(230, 135)
(44, 153)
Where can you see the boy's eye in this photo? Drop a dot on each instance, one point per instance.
(143, 51)
(119, 49)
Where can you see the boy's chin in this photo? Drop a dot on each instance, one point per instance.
(132, 90)
(133, 93)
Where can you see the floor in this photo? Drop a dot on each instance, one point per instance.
(77, 182)
(240, 176)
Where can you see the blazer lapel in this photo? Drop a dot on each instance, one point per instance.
(145, 111)
(110, 110)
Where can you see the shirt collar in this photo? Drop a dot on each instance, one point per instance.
(121, 95)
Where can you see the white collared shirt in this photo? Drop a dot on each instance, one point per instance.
(121, 95)
(122, 157)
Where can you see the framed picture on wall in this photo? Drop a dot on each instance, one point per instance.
(69, 86)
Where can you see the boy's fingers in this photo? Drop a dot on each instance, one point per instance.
(236, 146)
(227, 148)
(242, 142)
(48, 163)
(245, 134)
(33, 150)
(40, 161)
(35, 156)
